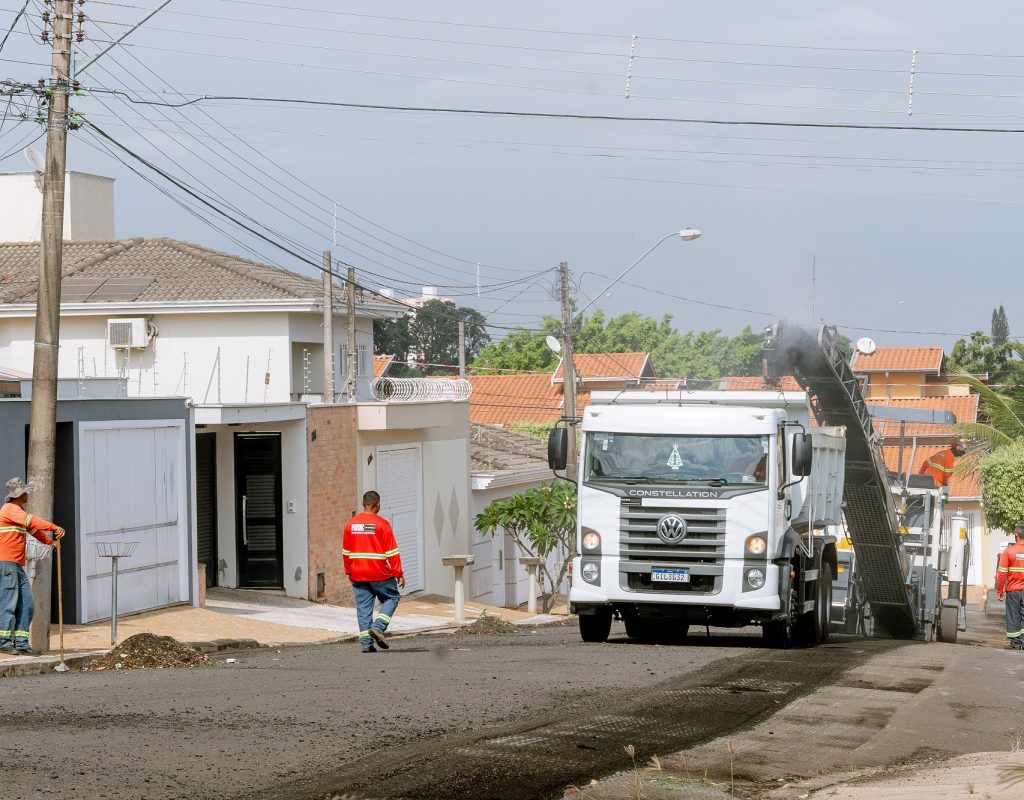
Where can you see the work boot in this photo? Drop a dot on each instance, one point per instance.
(370, 649)
(27, 651)
(8, 649)
(378, 637)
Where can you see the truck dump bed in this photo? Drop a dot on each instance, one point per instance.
(822, 371)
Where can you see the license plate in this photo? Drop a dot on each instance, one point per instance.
(670, 575)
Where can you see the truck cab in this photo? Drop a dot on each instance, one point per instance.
(705, 508)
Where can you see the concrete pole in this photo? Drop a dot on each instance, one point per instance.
(329, 388)
(460, 595)
(462, 349)
(350, 295)
(568, 380)
(43, 420)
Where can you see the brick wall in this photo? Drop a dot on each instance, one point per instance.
(333, 488)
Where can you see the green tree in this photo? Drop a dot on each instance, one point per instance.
(541, 522)
(1000, 327)
(434, 333)
(1002, 485)
(391, 337)
(981, 355)
(703, 355)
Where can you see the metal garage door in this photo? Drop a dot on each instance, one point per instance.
(133, 489)
(399, 482)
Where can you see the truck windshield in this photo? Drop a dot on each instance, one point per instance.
(643, 458)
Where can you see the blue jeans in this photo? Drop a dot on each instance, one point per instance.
(1015, 618)
(16, 605)
(367, 593)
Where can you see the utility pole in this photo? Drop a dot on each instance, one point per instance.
(568, 368)
(350, 294)
(43, 420)
(462, 348)
(329, 393)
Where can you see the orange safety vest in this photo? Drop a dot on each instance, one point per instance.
(1010, 572)
(15, 525)
(939, 466)
(369, 550)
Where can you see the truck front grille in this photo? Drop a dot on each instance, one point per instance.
(704, 543)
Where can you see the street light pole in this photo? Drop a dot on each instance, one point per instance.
(686, 235)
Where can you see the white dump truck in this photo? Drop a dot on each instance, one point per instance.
(705, 508)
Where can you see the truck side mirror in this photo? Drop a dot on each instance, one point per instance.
(802, 454)
(558, 448)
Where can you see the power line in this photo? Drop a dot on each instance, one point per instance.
(582, 117)
(13, 24)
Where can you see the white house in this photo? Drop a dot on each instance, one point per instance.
(504, 463)
(244, 341)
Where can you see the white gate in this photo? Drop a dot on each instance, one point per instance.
(400, 485)
(133, 488)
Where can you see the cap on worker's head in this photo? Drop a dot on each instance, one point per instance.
(958, 447)
(16, 488)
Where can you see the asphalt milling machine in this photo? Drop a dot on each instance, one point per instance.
(901, 573)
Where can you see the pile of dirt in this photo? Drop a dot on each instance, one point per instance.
(149, 651)
(490, 625)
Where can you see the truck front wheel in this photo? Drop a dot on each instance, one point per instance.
(596, 627)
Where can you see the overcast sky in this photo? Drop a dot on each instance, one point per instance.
(908, 230)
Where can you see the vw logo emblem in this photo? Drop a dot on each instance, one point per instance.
(672, 529)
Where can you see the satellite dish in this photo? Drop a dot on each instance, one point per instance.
(553, 344)
(35, 159)
(866, 345)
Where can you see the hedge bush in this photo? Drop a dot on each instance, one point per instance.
(1002, 486)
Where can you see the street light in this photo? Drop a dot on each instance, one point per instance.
(686, 235)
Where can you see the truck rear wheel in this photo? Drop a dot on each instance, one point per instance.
(824, 595)
(596, 627)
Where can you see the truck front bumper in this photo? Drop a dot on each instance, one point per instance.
(609, 589)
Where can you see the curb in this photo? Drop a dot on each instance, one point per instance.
(44, 666)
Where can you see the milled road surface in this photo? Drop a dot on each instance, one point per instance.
(515, 716)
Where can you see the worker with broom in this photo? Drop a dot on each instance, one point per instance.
(16, 603)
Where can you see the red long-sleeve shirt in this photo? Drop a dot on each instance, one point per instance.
(1010, 572)
(369, 550)
(939, 466)
(15, 525)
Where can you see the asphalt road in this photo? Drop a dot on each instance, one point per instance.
(515, 716)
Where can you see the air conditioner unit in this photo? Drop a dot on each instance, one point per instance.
(127, 333)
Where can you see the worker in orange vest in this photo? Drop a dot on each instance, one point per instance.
(372, 562)
(940, 465)
(16, 603)
(1010, 585)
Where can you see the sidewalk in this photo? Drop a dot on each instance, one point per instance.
(238, 618)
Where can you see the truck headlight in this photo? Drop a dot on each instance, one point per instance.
(591, 540)
(755, 578)
(591, 572)
(756, 545)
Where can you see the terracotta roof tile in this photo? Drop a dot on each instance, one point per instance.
(755, 383)
(963, 484)
(624, 366)
(381, 365)
(504, 399)
(965, 407)
(900, 359)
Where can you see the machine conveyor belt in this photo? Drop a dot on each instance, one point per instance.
(821, 369)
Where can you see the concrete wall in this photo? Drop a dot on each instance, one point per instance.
(210, 357)
(293, 493)
(88, 211)
(333, 496)
(447, 505)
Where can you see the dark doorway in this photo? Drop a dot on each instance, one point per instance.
(206, 504)
(258, 510)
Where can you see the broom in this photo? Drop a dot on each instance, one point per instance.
(61, 667)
